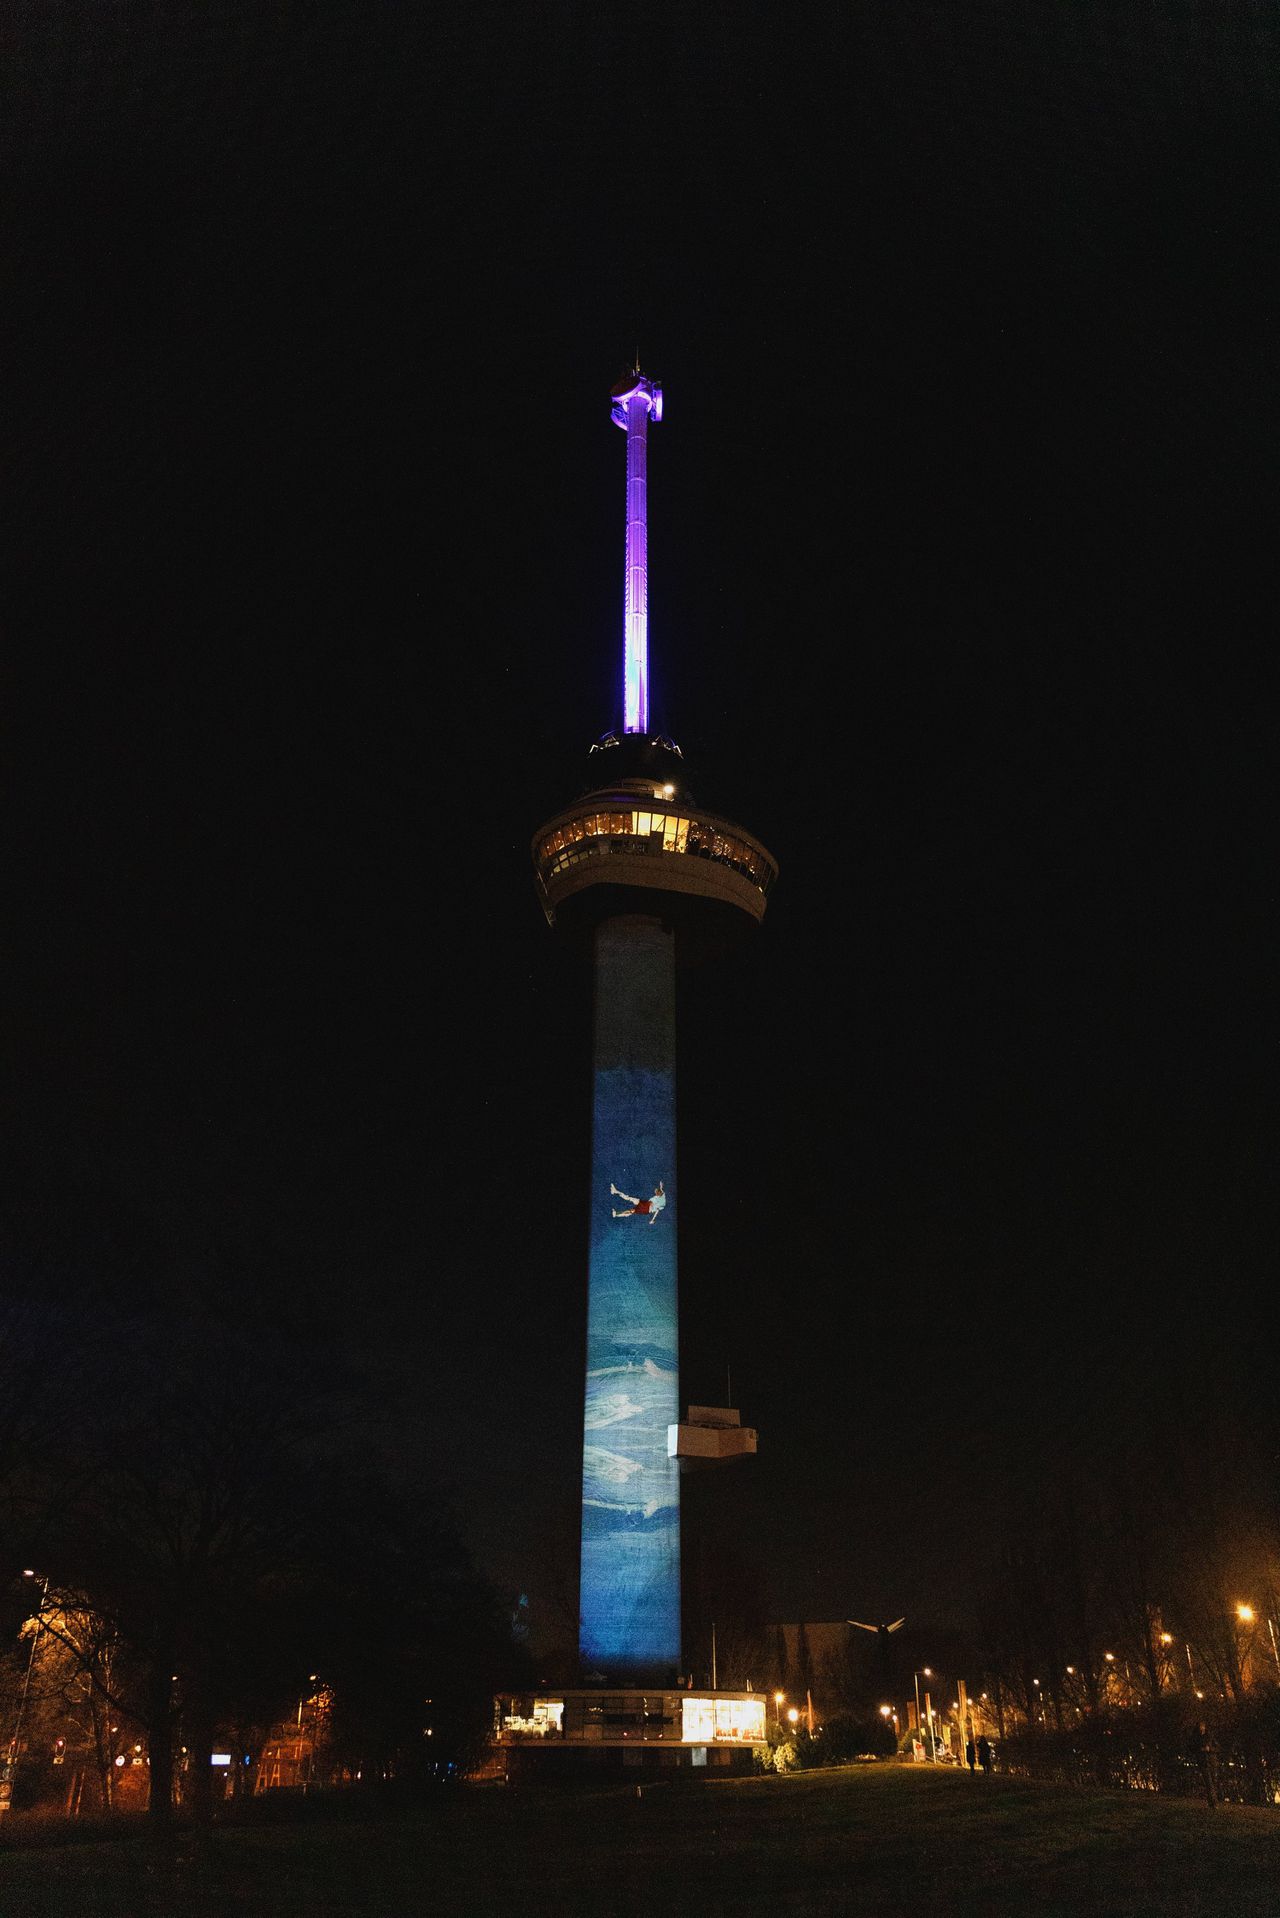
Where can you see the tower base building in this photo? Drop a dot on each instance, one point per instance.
(568, 1733)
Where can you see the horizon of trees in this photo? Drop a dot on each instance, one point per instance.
(199, 1521)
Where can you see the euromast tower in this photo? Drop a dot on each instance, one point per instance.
(650, 879)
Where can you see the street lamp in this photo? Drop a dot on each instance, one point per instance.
(1246, 1613)
(1247, 1616)
(777, 1708)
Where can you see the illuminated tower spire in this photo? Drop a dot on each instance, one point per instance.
(634, 401)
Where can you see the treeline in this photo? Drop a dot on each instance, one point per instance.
(1130, 1586)
(203, 1524)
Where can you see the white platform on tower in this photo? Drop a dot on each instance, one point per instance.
(710, 1435)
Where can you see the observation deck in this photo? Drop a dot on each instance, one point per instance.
(638, 842)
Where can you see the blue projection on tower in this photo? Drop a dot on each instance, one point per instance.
(639, 874)
(630, 1603)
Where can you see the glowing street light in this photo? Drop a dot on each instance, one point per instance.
(1247, 1616)
(777, 1707)
(793, 1715)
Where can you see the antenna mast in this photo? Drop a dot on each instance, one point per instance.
(634, 400)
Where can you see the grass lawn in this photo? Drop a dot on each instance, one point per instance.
(871, 1840)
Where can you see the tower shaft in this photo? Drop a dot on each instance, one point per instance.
(630, 1592)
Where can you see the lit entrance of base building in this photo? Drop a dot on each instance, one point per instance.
(653, 1730)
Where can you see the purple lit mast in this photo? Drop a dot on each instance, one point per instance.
(634, 401)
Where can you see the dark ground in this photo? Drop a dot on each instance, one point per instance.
(876, 1841)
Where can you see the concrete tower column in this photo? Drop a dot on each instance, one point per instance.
(630, 1592)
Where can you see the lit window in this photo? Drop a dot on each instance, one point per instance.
(642, 824)
(532, 1718)
(741, 1720)
(699, 1720)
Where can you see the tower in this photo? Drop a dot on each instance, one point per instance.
(646, 878)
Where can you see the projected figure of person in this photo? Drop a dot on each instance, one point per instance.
(645, 1208)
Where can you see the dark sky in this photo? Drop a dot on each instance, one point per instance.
(963, 590)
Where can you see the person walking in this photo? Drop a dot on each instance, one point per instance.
(984, 1755)
(970, 1755)
(1202, 1746)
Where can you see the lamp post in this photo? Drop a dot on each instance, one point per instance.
(8, 1772)
(1268, 1614)
(926, 1671)
(309, 1699)
(778, 1698)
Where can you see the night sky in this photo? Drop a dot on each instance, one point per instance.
(963, 596)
